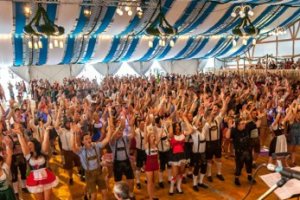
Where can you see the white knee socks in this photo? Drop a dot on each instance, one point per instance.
(179, 181)
(201, 177)
(219, 168)
(195, 180)
(173, 181)
(138, 176)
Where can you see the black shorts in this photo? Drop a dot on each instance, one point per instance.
(255, 144)
(188, 147)
(71, 160)
(164, 158)
(213, 148)
(140, 158)
(122, 168)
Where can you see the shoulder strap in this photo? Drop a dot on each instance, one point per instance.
(98, 161)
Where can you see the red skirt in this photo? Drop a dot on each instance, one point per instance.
(151, 163)
(41, 180)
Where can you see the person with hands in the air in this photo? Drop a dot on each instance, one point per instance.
(40, 180)
(90, 154)
(6, 190)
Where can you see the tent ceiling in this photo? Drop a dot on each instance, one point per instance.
(104, 36)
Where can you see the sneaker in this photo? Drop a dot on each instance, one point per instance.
(202, 185)
(220, 177)
(71, 181)
(237, 182)
(195, 188)
(138, 186)
(210, 179)
(161, 185)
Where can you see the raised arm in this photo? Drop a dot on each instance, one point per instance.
(22, 140)
(109, 130)
(9, 153)
(189, 127)
(46, 143)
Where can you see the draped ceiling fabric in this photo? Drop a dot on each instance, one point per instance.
(103, 37)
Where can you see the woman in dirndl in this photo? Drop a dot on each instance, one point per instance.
(6, 190)
(278, 143)
(40, 180)
(151, 166)
(177, 158)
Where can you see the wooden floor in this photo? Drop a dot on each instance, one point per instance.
(217, 190)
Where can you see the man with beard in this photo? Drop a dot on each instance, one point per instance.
(66, 135)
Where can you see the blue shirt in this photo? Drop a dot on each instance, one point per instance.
(88, 157)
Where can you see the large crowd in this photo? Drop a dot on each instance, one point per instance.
(172, 127)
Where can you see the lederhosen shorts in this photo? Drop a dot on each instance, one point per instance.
(93, 179)
(188, 148)
(164, 158)
(140, 158)
(213, 148)
(71, 160)
(122, 167)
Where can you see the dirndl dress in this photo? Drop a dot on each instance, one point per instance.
(151, 160)
(6, 191)
(40, 178)
(178, 155)
(278, 143)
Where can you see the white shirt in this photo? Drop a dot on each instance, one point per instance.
(139, 138)
(212, 130)
(199, 143)
(66, 138)
(163, 144)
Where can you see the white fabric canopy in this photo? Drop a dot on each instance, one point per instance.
(107, 68)
(51, 73)
(140, 67)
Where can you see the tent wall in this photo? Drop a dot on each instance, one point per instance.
(51, 73)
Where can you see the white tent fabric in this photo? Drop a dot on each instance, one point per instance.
(167, 66)
(140, 67)
(184, 67)
(51, 73)
(22, 72)
(107, 68)
(202, 64)
(6, 21)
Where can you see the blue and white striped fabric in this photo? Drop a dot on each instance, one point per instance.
(105, 38)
